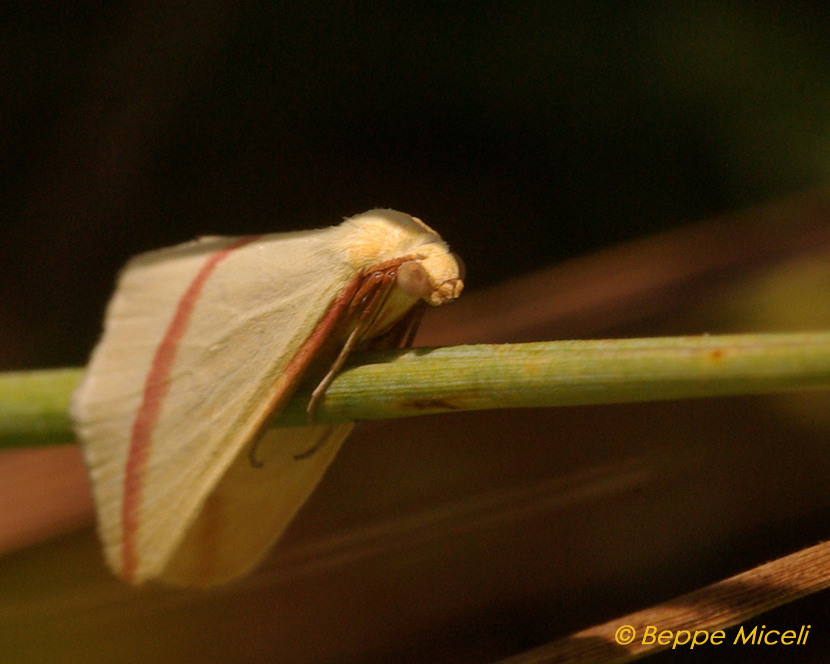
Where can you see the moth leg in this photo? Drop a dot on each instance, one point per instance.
(311, 450)
(412, 324)
(316, 395)
(341, 358)
(371, 298)
(252, 450)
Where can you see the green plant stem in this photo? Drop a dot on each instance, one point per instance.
(33, 407)
(433, 380)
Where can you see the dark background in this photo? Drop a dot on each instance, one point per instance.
(524, 132)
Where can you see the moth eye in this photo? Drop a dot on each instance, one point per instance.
(414, 280)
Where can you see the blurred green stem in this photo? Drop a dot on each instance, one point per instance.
(432, 380)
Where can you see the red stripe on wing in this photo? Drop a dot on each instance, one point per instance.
(155, 391)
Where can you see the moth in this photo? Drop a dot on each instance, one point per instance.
(203, 344)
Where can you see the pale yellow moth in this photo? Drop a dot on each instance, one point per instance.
(203, 343)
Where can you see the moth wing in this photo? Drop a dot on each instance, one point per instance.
(251, 506)
(231, 364)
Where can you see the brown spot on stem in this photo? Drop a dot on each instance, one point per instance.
(430, 404)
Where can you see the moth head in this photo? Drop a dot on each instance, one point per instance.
(429, 271)
(435, 276)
